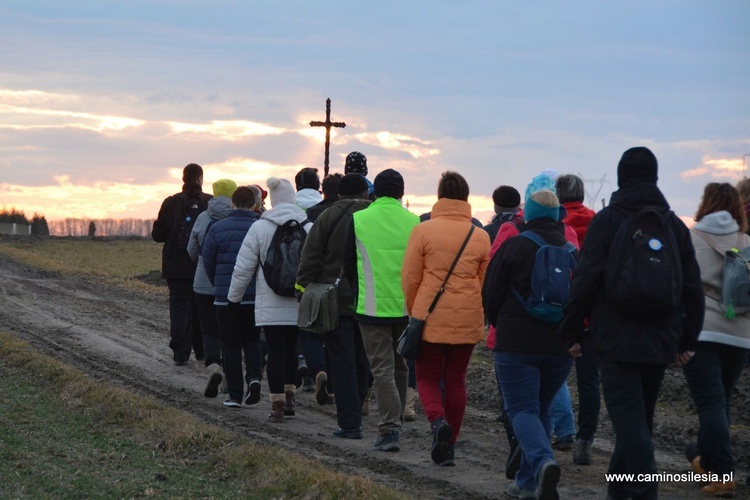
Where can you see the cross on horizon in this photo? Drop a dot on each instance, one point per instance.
(327, 124)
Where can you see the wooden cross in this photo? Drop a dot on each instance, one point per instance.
(327, 124)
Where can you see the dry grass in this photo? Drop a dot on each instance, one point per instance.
(168, 453)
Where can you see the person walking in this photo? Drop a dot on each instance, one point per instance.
(457, 322)
(374, 254)
(724, 343)
(238, 332)
(636, 335)
(323, 262)
(277, 314)
(219, 208)
(172, 227)
(530, 360)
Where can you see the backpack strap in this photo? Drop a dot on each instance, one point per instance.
(568, 246)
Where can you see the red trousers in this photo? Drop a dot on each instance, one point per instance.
(444, 364)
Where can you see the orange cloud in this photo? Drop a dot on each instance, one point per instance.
(718, 168)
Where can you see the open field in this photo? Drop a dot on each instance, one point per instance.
(113, 327)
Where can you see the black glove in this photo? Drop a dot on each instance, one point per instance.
(233, 307)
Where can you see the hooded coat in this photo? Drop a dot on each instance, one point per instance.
(458, 317)
(219, 208)
(270, 309)
(725, 232)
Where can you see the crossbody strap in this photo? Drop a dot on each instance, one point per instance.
(335, 225)
(450, 271)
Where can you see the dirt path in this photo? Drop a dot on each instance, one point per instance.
(121, 337)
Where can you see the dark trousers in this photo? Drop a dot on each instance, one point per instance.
(313, 348)
(184, 325)
(630, 392)
(589, 396)
(711, 375)
(281, 342)
(350, 370)
(240, 335)
(209, 329)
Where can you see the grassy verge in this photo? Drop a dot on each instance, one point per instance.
(65, 435)
(119, 261)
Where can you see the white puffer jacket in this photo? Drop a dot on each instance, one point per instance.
(270, 309)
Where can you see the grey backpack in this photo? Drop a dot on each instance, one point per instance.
(735, 283)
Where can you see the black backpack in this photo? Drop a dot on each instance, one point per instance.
(643, 273)
(189, 208)
(283, 257)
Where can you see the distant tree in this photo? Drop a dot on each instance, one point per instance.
(12, 216)
(92, 229)
(39, 225)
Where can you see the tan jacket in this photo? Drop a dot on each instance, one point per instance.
(458, 317)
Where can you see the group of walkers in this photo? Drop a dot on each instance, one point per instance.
(619, 294)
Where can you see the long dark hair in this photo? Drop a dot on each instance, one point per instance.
(722, 196)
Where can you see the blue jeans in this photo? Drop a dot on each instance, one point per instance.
(561, 412)
(711, 375)
(529, 383)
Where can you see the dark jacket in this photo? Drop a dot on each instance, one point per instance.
(323, 254)
(314, 211)
(176, 263)
(219, 253)
(499, 219)
(620, 338)
(510, 268)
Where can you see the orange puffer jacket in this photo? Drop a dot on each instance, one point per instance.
(458, 317)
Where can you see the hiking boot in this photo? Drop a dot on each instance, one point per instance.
(277, 409)
(253, 392)
(719, 489)
(215, 376)
(451, 461)
(321, 391)
(409, 414)
(308, 385)
(355, 433)
(582, 452)
(563, 444)
(289, 401)
(548, 479)
(442, 433)
(514, 491)
(387, 442)
(302, 370)
(231, 403)
(514, 462)
(180, 362)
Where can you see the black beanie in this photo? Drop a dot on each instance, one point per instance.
(307, 178)
(637, 164)
(356, 162)
(389, 183)
(506, 197)
(352, 184)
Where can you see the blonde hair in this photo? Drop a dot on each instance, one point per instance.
(546, 198)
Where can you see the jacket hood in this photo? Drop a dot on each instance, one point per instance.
(720, 222)
(454, 209)
(307, 198)
(282, 212)
(219, 207)
(636, 194)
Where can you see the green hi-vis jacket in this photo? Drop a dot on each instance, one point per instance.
(381, 233)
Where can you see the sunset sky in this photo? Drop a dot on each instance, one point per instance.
(103, 103)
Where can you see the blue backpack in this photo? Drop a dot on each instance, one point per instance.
(550, 279)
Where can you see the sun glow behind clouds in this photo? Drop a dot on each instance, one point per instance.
(719, 168)
(417, 148)
(231, 130)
